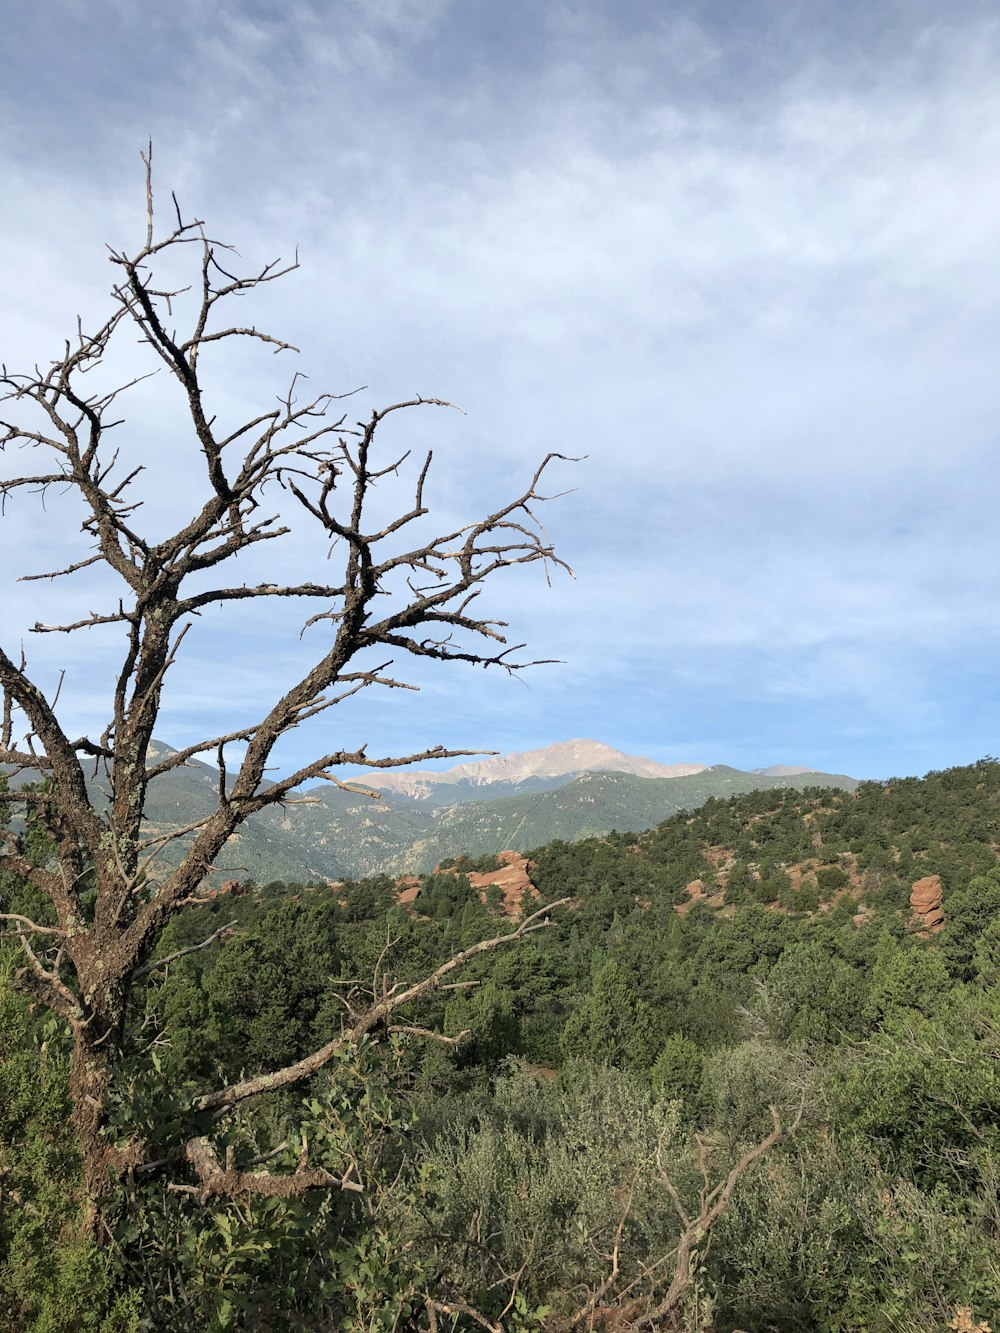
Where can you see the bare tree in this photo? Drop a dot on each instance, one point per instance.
(652, 1300)
(417, 599)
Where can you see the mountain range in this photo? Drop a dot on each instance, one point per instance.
(513, 774)
(570, 790)
(407, 821)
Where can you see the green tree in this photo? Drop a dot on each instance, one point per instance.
(968, 913)
(53, 1279)
(677, 1072)
(270, 985)
(830, 879)
(614, 1026)
(812, 996)
(905, 979)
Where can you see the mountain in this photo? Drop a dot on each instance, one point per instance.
(590, 805)
(781, 770)
(507, 774)
(331, 834)
(515, 801)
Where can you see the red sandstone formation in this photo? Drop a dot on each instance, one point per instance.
(513, 877)
(408, 890)
(925, 900)
(235, 887)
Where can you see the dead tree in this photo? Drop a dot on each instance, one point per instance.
(653, 1299)
(390, 595)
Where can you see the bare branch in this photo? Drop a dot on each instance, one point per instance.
(30, 925)
(47, 985)
(183, 953)
(87, 622)
(161, 839)
(61, 573)
(377, 598)
(458, 1307)
(427, 1034)
(374, 1017)
(350, 787)
(713, 1201)
(230, 1182)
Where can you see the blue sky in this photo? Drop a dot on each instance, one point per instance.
(744, 257)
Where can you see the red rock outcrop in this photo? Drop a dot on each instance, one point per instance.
(513, 878)
(236, 887)
(925, 901)
(408, 890)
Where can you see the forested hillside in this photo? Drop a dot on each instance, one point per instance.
(747, 967)
(327, 833)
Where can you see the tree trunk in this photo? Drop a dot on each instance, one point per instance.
(89, 1084)
(97, 1052)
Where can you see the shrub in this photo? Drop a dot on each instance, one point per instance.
(830, 879)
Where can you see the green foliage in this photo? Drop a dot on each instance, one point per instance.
(923, 1093)
(325, 1258)
(534, 1172)
(825, 1239)
(677, 1074)
(269, 991)
(987, 957)
(830, 879)
(907, 979)
(813, 997)
(967, 914)
(52, 1278)
(614, 1025)
(741, 1083)
(621, 1032)
(472, 865)
(740, 886)
(806, 898)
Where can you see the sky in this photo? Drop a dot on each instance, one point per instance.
(744, 258)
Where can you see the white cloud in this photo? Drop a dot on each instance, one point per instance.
(766, 311)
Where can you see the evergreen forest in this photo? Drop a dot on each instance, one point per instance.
(733, 1081)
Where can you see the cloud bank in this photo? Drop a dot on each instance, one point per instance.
(746, 264)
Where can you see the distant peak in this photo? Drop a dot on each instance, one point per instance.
(783, 770)
(561, 759)
(564, 758)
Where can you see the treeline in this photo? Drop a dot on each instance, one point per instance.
(549, 1160)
